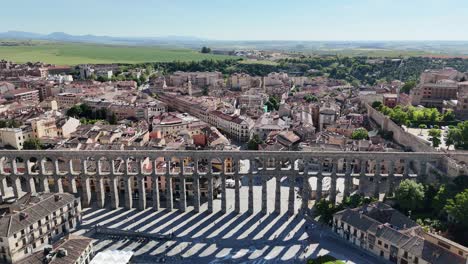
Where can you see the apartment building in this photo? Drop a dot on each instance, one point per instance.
(35, 221)
(169, 124)
(435, 86)
(236, 126)
(12, 137)
(197, 79)
(243, 82)
(67, 100)
(385, 232)
(23, 95)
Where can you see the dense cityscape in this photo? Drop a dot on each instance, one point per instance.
(232, 152)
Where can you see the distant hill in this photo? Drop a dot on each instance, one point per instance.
(64, 37)
(346, 48)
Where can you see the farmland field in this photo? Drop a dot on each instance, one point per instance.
(81, 53)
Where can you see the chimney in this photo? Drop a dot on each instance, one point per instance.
(47, 249)
(61, 252)
(57, 197)
(23, 215)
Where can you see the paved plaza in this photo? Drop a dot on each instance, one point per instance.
(221, 238)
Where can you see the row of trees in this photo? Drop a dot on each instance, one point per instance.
(355, 70)
(142, 79)
(365, 70)
(86, 114)
(11, 123)
(422, 117)
(415, 116)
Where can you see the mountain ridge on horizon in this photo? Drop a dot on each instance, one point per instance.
(443, 47)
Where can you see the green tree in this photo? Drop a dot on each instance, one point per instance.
(356, 200)
(272, 103)
(422, 126)
(143, 78)
(435, 135)
(410, 195)
(440, 199)
(408, 87)
(310, 98)
(254, 142)
(376, 104)
(325, 209)
(102, 79)
(32, 143)
(205, 50)
(74, 111)
(458, 208)
(113, 119)
(458, 136)
(360, 133)
(12, 123)
(449, 116)
(205, 91)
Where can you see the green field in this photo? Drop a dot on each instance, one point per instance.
(80, 53)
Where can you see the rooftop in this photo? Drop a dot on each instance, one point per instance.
(35, 209)
(74, 245)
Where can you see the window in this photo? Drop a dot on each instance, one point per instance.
(385, 245)
(416, 260)
(444, 245)
(379, 242)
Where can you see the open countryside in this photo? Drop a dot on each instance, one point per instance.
(81, 53)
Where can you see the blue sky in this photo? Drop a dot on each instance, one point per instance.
(244, 19)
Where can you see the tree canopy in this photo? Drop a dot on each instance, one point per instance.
(434, 137)
(84, 111)
(32, 144)
(414, 116)
(205, 50)
(458, 208)
(408, 86)
(273, 103)
(254, 142)
(410, 195)
(360, 133)
(458, 136)
(12, 123)
(310, 98)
